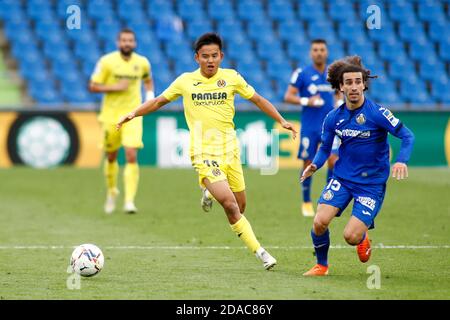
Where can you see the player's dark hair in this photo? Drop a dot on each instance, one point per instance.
(126, 30)
(206, 39)
(318, 41)
(348, 64)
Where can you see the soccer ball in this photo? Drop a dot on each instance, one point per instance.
(87, 260)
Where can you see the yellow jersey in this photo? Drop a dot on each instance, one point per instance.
(209, 108)
(110, 69)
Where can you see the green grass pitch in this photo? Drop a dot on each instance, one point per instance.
(172, 250)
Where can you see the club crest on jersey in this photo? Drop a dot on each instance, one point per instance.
(216, 172)
(328, 195)
(136, 67)
(221, 83)
(361, 119)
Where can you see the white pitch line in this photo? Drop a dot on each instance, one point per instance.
(378, 246)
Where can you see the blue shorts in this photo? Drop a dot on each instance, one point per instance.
(368, 198)
(309, 143)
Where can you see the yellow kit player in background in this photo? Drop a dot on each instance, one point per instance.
(119, 75)
(208, 98)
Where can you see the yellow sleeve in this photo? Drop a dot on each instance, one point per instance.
(245, 90)
(147, 74)
(101, 72)
(175, 89)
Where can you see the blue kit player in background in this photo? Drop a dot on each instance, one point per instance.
(363, 166)
(310, 89)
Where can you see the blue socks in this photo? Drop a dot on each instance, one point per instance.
(321, 246)
(306, 190)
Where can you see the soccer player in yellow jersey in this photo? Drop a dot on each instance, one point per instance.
(119, 76)
(208, 98)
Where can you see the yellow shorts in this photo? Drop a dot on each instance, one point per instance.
(218, 168)
(130, 135)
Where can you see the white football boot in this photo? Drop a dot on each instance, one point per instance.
(129, 207)
(207, 200)
(110, 203)
(268, 261)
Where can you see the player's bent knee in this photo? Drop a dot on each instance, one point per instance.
(352, 238)
(230, 206)
(319, 226)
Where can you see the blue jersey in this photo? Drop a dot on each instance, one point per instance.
(364, 150)
(310, 82)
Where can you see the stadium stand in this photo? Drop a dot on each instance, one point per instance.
(265, 40)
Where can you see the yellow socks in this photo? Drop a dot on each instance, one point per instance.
(244, 231)
(131, 180)
(111, 170)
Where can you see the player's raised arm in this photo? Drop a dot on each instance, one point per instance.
(268, 108)
(145, 108)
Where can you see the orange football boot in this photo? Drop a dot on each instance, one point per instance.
(363, 249)
(317, 270)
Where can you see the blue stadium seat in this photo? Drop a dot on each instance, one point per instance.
(174, 49)
(412, 32)
(281, 10)
(169, 27)
(439, 90)
(290, 30)
(100, 10)
(159, 9)
(37, 10)
(312, 11)
(414, 91)
(335, 51)
(229, 28)
(131, 11)
(322, 30)
(430, 11)
(279, 70)
(444, 50)
(33, 72)
(22, 37)
(421, 51)
(46, 27)
(392, 51)
(432, 69)
(107, 28)
(341, 11)
(10, 8)
(237, 52)
(437, 29)
(47, 96)
(385, 33)
(257, 28)
(399, 70)
(249, 10)
(220, 10)
(266, 49)
(299, 52)
(401, 11)
(383, 91)
(191, 10)
(352, 32)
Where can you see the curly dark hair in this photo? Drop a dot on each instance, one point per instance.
(348, 64)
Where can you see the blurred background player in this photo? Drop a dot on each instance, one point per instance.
(208, 99)
(310, 89)
(363, 166)
(119, 75)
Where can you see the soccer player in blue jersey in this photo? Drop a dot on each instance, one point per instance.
(363, 166)
(310, 89)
